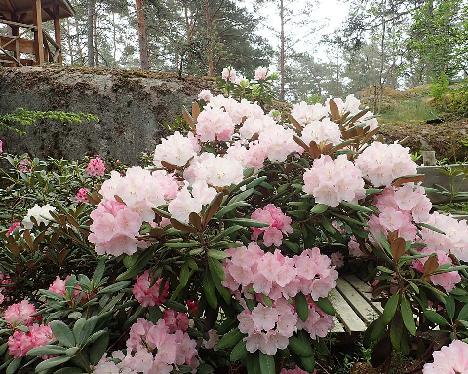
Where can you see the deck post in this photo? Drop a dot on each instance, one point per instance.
(38, 35)
(15, 32)
(58, 34)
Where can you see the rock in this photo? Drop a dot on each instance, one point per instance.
(133, 108)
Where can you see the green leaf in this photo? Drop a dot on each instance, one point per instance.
(302, 307)
(13, 366)
(69, 370)
(450, 306)
(247, 222)
(390, 308)
(319, 208)
(99, 271)
(210, 291)
(308, 363)
(51, 363)
(267, 364)
(227, 232)
(216, 254)
(114, 287)
(77, 329)
(63, 333)
(325, 304)
(407, 315)
(357, 207)
(463, 315)
(176, 306)
(184, 276)
(435, 317)
(300, 346)
(46, 350)
(230, 339)
(239, 352)
(229, 208)
(216, 269)
(97, 350)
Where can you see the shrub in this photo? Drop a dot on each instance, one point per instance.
(223, 251)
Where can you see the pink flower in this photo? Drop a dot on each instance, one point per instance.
(15, 225)
(333, 181)
(214, 124)
(322, 132)
(278, 143)
(446, 280)
(213, 339)
(175, 320)
(229, 74)
(21, 313)
(354, 248)
(25, 166)
(337, 260)
(205, 95)
(150, 295)
(279, 225)
(21, 342)
(450, 359)
(82, 195)
(2, 146)
(383, 163)
(58, 286)
(96, 167)
(176, 149)
(261, 73)
(318, 323)
(114, 229)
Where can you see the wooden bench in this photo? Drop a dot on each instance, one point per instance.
(355, 309)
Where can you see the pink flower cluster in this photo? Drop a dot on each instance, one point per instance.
(382, 163)
(317, 324)
(149, 294)
(58, 286)
(322, 132)
(307, 113)
(175, 321)
(114, 229)
(25, 165)
(354, 248)
(116, 224)
(176, 149)
(15, 225)
(96, 167)
(455, 237)
(446, 280)
(398, 208)
(261, 73)
(333, 181)
(276, 275)
(268, 328)
(251, 155)
(21, 342)
(152, 348)
(278, 143)
(279, 225)
(229, 74)
(214, 124)
(82, 195)
(450, 359)
(21, 313)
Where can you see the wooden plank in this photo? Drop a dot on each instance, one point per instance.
(25, 45)
(361, 306)
(338, 327)
(365, 290)
(350, 320)
(38, 36)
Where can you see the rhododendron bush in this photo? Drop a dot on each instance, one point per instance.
(223, 250)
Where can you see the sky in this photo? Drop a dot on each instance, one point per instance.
(326, 17)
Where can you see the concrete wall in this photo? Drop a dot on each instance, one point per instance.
(132, 107)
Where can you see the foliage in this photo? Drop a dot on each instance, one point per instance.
(19, 120)
(454, 100)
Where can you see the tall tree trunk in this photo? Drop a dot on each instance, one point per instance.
(210, 31)
(282, 53)
(382, 56)
(96, 50)
(90, 27)
(142, 37)
(114, 41)
(69, 42)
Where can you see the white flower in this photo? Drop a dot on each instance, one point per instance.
(205, 95)
(40, 213)
(324, 131)
(261, 73)
(278, 143)
(229, 74)
(254, 125)
(176, 149)
(305, 113)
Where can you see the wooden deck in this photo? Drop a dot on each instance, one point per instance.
(353, 303)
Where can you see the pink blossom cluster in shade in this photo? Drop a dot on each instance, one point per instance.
(382, 163)
(96, 167)
(175, 320)
(21, 342)
(229, 74)
(275, 275)
(148, 293)
(398, 209)
(128, 201)
(25, 165)
(333, 181)
(446, 280)
(450, 359)
(5, 281)
(82, 195)
(279, 225)
(14, 225)
(354, 248)
(152, 348)
(454, 238)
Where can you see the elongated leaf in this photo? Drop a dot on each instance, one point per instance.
(390, 308)
(114, 287)
(302, 307)
(230, 339)
(435, 317)
(326, 306)
(51, 363)
(308, 363)
(63, 333)
(463, 315)
(319, 208)
(209, 290)
(300, 347)
(247, 222)
(267, 364)
(239, 352)
(407, 315)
